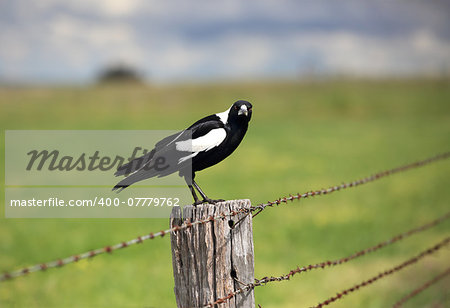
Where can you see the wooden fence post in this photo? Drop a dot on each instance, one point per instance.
(211, 260)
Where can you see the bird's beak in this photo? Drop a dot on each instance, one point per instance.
(243, 110)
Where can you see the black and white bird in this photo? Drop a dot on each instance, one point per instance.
(203, 144)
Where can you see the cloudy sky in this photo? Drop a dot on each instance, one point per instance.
(71, 40)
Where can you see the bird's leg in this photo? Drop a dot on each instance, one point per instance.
(205, 198)
(194, 195)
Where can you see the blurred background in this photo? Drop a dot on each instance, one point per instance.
(66, 42)
(340, 90)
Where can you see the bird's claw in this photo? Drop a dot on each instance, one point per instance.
(213, 201)
(209, 201)
(197, 202)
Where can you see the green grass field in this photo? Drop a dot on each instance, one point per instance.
(302, 136)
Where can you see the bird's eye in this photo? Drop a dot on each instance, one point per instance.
(236, 107)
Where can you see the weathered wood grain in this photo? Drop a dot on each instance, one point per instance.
(211, 260)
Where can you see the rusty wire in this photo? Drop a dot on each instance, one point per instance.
(388, 272)
(371, 178)
(108, 249)
(258, 208)
(423, 287)
(298, 270)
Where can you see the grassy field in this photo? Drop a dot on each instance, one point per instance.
(302, 136)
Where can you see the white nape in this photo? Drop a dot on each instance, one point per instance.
(224, 116)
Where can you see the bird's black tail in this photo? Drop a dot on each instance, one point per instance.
(135, 164)
(130, 170)
(133, 178)
(118, 188)
(137, 176)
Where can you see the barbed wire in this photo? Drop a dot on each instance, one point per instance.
(96, 252)
(423, 287)
(189, 224)
(298, 270)
(388, 272)
(371, 178)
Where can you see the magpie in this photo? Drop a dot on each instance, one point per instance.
(203, 144)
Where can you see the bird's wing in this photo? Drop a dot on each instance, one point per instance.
(134, 164)
(206, 134)
(170, 139)
(141, 161)
(175, 150)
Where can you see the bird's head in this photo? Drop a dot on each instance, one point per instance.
(241, 110)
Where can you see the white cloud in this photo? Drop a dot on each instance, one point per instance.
(238, 56)
(79, 42)
(118, 7)
(109, 8)
(229, 56)
(344, 52)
